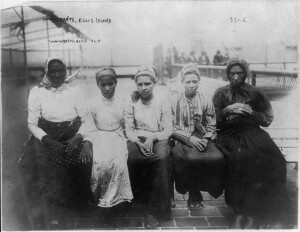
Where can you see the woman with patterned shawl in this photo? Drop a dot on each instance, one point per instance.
(198, 164)
(255, 185)
(55, 118)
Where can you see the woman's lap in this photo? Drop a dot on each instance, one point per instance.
(150, 177)
(256, 171)
(198, 170)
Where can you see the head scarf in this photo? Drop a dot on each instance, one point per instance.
(241, 63)
(243, 90)
(46, 82)
(189, 69)
(106, 71)
(149, 71)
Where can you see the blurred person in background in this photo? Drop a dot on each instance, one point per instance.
(226, 58)
(203, 59)
(218, 58)
(182, 58)
(192, 58)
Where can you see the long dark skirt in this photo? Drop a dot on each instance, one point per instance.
(67, 186)
(256, 171)
(198, 171)
(149, 177)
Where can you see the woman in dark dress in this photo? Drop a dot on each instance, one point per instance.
(256, 170)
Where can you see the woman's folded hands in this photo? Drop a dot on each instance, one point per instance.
(53, 144)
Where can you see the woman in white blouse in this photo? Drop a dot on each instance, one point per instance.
(148, 123)
(55, 118)
(110, 179)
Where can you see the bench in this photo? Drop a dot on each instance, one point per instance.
(287, 141)
(285, 138)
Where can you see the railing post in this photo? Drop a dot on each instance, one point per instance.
(69, 56)
(11, 58)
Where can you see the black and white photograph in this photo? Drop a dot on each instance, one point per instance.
(136, 115)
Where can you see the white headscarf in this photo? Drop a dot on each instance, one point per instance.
(46, 82)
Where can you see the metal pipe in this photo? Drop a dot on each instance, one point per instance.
(48, 42)
(25, 52)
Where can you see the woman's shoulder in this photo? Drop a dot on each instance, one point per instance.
(36, 90)
(74, 89)
(255, 91)
(252, 88)
(91, 101)
(224, 88)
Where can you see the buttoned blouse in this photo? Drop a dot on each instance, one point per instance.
(61, 104)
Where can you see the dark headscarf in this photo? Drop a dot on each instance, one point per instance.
(243, 90)
(237, 62)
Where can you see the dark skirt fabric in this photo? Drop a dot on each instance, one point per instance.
(256, 170)
(150, 178)
(67, 186)
(198, 171)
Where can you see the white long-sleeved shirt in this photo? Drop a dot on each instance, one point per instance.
(142, 120)
(56, 105)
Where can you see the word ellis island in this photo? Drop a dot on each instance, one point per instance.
(79, 20)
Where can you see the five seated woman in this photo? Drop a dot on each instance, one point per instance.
(141, 166)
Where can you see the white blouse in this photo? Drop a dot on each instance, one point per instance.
(56, 105)
(104, 115)
(145, 121)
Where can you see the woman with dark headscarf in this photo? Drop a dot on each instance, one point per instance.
(256, 170)
(55, 118)
(148, 121)
(198, 164)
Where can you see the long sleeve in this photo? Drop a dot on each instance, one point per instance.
(209, 121)
(34, 113)
(264, 113)
(181, 135)
(129, 121)
(177, 134)
(167, 124)
(219, 106)
(80, 108)
(89, 129)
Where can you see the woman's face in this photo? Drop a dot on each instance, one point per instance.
(236, 76)
(190, 83)
(145, 86)
(56, 73)
(107, 86)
